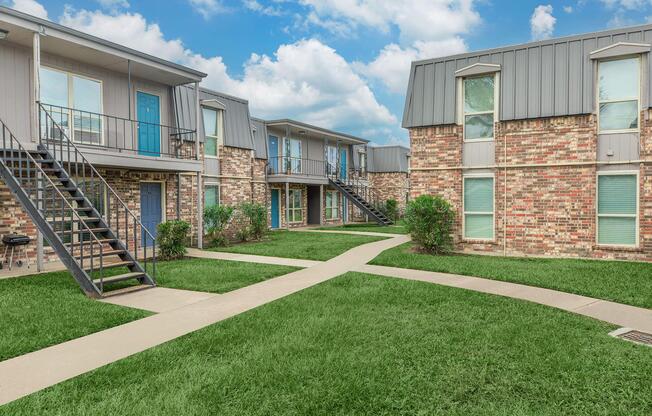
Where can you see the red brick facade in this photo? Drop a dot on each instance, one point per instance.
(545, 199)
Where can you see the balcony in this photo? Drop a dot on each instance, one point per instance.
(116, 135)
(310, 171)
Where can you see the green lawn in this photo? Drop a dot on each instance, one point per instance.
(369, 226)
(369, 345)
(47, 309)
(217, 276)
(624, 282)
(301, 245)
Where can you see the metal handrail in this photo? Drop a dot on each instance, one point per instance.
(20, 149)
(361, 188)
(120, 133)
(79, 157)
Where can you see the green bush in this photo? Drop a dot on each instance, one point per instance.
(216, 218)
(391, 209)
(172, 239)
(429, 220)
(256, 219)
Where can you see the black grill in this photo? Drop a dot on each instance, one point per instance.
(13, 240)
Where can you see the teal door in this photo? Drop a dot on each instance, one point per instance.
(149, 130)
(276, 199)
(343, 164)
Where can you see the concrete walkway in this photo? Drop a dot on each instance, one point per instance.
(250, 258)
(35, 371)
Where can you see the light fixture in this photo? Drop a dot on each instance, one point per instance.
(3, 34)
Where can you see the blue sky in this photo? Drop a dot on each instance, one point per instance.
(341, 64)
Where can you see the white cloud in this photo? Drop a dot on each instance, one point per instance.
(542, 22)
(30, 7)
(626, 4)
(256, 6)
(392, 64)
(207, 8)
(306, 80)
(568, 9)
(114, 4)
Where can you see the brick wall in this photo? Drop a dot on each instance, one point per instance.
(549, 210)
(391, 185)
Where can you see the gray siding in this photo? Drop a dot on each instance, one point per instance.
(479, 153)
(387, 159)
(618, 147)
(541, 79)
(237, 122)
(260, 138)
(15, 89)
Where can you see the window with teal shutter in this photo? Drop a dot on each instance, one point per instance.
(617, 214)
(479, 208)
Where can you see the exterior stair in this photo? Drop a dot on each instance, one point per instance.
(359, 194)
(102, 245)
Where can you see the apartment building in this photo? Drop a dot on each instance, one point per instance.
(543, 148)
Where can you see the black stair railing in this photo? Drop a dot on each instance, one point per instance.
(108, 205)
(81, 242)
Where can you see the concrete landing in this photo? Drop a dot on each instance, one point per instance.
(159, 299)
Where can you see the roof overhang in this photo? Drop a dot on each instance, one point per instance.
(477, 69)
(298, 127)
(620, 49)
(69, 43)
(213, 103)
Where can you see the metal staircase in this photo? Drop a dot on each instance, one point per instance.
(359, 193)
(96, 236)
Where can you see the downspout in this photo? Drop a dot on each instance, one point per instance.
(36, 50)
(505, 197)
(129, 87)
(200, 209)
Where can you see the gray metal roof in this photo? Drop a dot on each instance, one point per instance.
(392, 158)
(316, 129)
(260, 137)
(72, 32)
(538, 79)
(237, 122)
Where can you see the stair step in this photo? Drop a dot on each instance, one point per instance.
(87, 243)
(119, 278)
(83, 209)
(24, 159)
(73, 218)
(126, 290)
(96, 253)
(94, 230)
(96, 264)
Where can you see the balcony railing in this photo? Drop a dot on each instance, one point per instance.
(119, 134)
(296, 166)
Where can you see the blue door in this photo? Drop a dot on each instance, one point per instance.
(151, 214)
(149, 130)
(276, 199)
(273, 153)
(343, 164)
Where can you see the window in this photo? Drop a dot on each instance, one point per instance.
(213, 128)
(617, 209)
(332, 205)
(331, 159)
(479, 108)
(211, 195)
(363, 163)
(479, 208)
(292, 154)
(618, 94)
(296, 212)
(73, 100)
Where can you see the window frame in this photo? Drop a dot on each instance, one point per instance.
(70, 91)
(638, 99)
(494, 111)
(219, 129)
(289, 160)
(218, 193)
(493, 213)
(291, 209)
(637, 215)
(333, 207)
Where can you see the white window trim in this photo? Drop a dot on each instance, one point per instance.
(460, 107)
(464, 212)
(597, 208)
(70, 104)
(637, 99)
(220, 126)
(334, 208)
(219, 191)
(292, 209)
(288, 141)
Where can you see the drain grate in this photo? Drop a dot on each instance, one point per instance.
(633, 336)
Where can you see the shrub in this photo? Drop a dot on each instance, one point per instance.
(256, 218)
(391, 209)
(429, 220)
(172, 239)
(216, 218)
